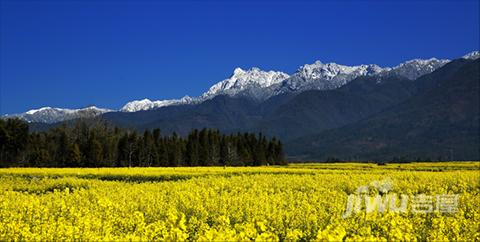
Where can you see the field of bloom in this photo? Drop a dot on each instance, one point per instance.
(304, 202)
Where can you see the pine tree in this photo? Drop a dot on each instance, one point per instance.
(156, 136)
(224, 152)
(122, 157)
(191, 156)
(131, 148)
(93, 151)
(3, 140)
(74, 157)
(203, 149)
(61, 156)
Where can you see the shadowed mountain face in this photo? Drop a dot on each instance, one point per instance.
(314, 111)
(222, 112)
(440, 122)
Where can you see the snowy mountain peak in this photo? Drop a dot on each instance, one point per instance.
(147, 104)
(33, 111)
(415, 68)
(53, 115)
(329, 71)
(242, 80)
(137, 105)
(66, 110)
(324, 76)
(472, 55)
(94, 108)
(423, 61)
(187, 99)
(238, 71)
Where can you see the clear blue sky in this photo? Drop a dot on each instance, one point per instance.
(79, 53)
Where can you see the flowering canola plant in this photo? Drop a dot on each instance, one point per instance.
(303, 202)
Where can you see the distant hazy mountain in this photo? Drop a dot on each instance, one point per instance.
(53, 115)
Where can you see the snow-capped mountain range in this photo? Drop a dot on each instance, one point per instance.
(245, 81)
(258, 85)
(322, 76)
(52, 115)
(472, 55)
(413, 69)
(147, 104)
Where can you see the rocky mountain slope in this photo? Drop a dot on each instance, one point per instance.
(440, 122)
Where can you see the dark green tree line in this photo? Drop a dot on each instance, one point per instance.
(102, 145)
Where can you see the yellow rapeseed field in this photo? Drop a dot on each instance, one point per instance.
(303, 202)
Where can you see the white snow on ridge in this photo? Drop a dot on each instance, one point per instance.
(242, 80)
(147, 104)
(329, 71)
(324, 76)
(53, 115)
(415, 68)
(472, 55)
(33, 111)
